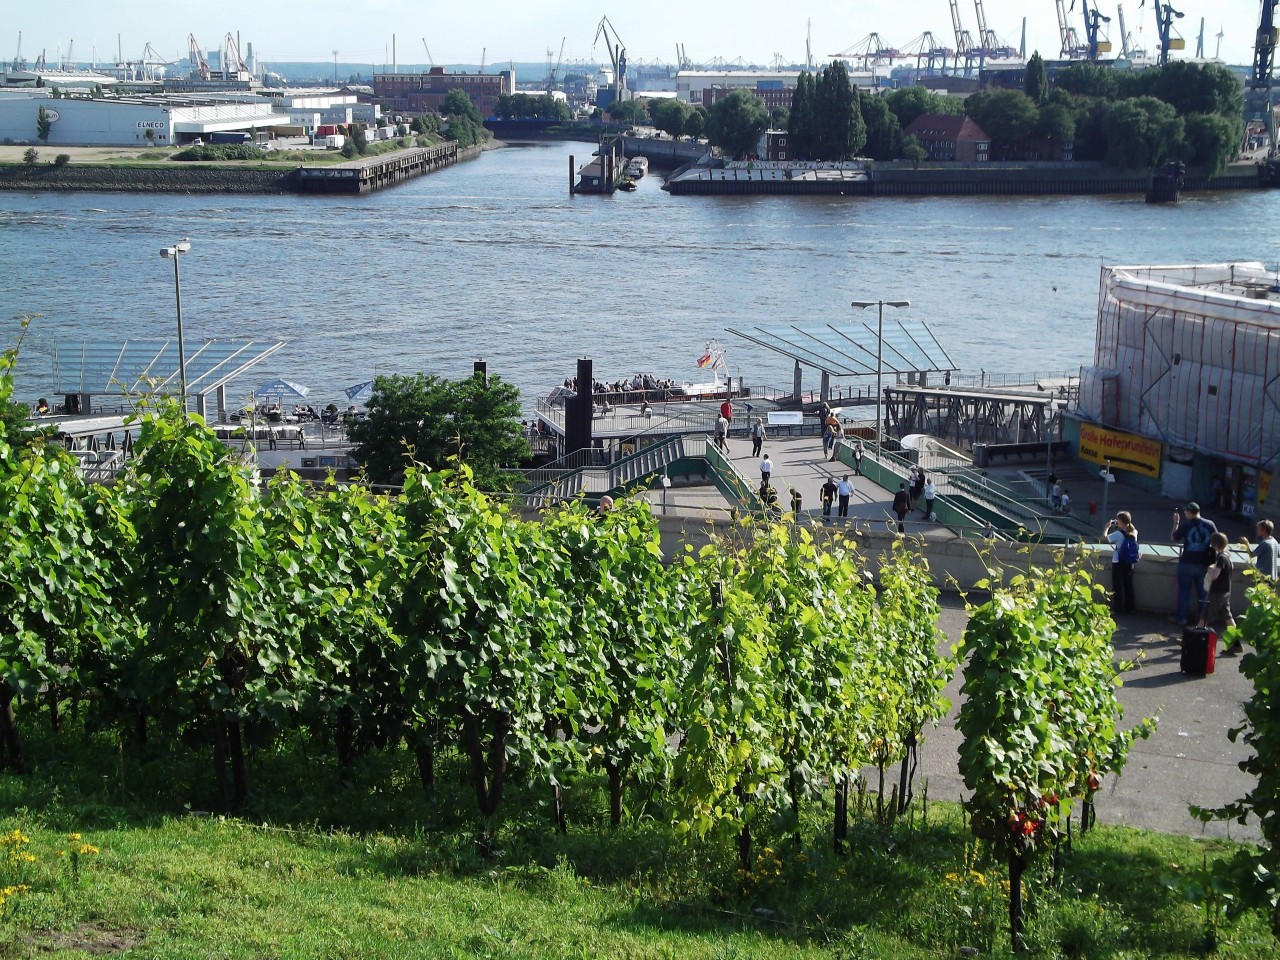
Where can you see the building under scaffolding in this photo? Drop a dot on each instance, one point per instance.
(1189, 357)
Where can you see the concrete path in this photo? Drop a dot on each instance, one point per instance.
(1188, 760)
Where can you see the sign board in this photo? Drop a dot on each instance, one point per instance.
(52, 115)
(1126, 451)
(150, 124)
(785, 418)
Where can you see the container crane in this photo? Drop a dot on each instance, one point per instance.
(199, 66)
(965, 46)
(430, 59)
(18, 62)
(1072, 47)
(1165, 15)
(1093, 21)
(617, 55)
(928, 52)
(870, 49)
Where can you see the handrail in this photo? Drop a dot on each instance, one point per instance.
(614, 476)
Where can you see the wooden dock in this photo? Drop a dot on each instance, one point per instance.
(374, 173)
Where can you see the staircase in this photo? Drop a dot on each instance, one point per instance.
(640, 469)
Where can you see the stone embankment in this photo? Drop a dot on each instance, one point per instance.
(195, 178)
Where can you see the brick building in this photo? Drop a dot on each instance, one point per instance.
(774, 97)
(948, 137)
(420, 92)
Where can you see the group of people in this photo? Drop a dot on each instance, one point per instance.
(1059, 496)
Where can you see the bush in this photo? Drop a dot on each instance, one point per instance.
(31, 156)
(62, 159)
(222, 151)
(349, 149)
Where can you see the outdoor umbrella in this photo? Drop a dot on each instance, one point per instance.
(283, 389)
(361, 391)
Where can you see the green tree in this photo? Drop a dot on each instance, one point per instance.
(671, 115)
(737, 122)
(1007, 116)
(630, 111)
(1188, 87)
(44, 125)
(695, 124)
(465, 131)
(31, 156)
(907, 103)
(1142, 132)
(1056, 122)
(359, 138)
(802, 119)
(841, 134)
(1212, 141)
(430, 420)
(458, 104)
(1036, 85)
(913, 152)
(1088, 80)
(779, 117)
(884, 136)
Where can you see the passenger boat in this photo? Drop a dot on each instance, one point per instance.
(637, 167)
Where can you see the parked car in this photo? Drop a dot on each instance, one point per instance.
(197, 142)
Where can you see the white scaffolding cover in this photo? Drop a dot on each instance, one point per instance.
(1189, 355)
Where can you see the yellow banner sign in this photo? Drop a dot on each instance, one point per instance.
(1126, 451)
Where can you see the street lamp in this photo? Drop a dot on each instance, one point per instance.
(862, 305)
(174, 253)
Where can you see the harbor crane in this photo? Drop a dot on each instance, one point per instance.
(871, 49)
(1259, 107)
(231, 59)
(552, 72)
(1169, 40)
(682, 59)
(199, 66)
(18, 62)
(1093, 20)
(430, 60)
(617, 55)
(990, 47)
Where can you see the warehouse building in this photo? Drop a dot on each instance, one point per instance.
(1184, 390)
(423, 92)
(128, 121)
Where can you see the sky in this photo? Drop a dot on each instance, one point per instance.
(522, 30)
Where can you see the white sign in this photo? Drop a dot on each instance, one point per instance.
(51, 115)
(785, 418)
(150, 124)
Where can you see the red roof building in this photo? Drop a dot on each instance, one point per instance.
(950, 137)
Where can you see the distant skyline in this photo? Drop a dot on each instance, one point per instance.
(361, 30)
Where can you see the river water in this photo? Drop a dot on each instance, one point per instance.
(493, 258)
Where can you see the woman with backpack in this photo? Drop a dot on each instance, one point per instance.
(1123, 537)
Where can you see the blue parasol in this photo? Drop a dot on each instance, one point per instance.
(283, 389)
(361, 391)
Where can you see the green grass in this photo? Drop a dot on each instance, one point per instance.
(379, 869)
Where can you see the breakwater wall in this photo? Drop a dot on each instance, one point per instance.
(667, 154)
(899, 179)
(354, 177)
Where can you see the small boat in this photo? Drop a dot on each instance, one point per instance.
(628, 185)
(637, 167)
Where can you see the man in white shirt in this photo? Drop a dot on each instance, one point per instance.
(844, 489)
(766, 470)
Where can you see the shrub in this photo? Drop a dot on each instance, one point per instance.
(31, 156)
(62, 159)
(222, 151)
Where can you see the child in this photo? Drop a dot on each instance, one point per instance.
(1064, 503)
(1217, 585)
(1265, 552)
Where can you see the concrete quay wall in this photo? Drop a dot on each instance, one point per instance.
(195, 178)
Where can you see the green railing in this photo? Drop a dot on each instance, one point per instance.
(638, 470)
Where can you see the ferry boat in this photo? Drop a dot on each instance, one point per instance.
(637, 167)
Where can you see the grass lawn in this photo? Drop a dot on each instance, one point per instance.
(381, 869)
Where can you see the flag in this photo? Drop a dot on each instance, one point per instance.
(704, 360)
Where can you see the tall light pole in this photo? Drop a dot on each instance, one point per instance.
(862, 305)
(174, 253)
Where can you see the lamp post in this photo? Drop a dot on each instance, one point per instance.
(174, 253)
(881, 304)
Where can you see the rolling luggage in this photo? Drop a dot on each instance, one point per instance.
(1199, 649)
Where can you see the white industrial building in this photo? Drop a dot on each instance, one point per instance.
(125, 121)
(1189, 357)
(691, 83)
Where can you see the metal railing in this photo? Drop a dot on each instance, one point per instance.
(619, 475)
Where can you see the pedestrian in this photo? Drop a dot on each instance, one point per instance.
(797, 502)
(930, 493)
(1049, 491)
(766, 470)
(1216, 608)
(1055, 495)
(828, 441)
(1123, 537)
(757, 437)
(769, 497)
(1064, 502)
(1194, 532)
(837, 433)
(857, 457)
(828, 495)
(917, 490)
(902, 506)
(989, 531)
(1264, 554)
(844, 489)
(722, 433)
(726, 410)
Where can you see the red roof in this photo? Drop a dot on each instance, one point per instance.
(942, 126)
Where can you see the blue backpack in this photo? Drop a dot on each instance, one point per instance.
(1129, 550)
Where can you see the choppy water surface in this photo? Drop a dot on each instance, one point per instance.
(494, 259)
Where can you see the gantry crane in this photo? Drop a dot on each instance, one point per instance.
(1093, 21)
(966, 48)
(871, 49)
(1072, 47)
(199, 65)
(1259, 107)
(552, 72)
(1165, 15)
(928, 52)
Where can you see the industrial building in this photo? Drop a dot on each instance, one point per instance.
(691, 85)
(1184, 390)
(423, 92)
